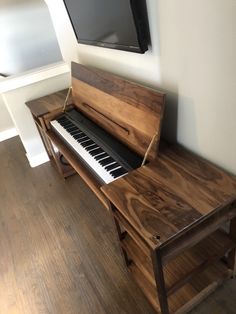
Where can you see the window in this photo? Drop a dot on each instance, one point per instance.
(27, 36)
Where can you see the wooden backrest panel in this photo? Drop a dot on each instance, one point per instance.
(132, 113)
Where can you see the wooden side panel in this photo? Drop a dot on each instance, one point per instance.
(130, 112)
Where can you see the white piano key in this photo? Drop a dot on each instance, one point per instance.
(79, 149)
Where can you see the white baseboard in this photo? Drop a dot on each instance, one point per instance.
(37, 160)
(7, 134)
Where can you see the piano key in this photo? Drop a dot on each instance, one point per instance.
(86, 156)
(101, 156)
(101, 159)
(112, 166)
(104, 157)
(71, 129)
(78, 136)
(64, 121)
(66, 124)
(79, 133)
(91, 147)
(118, 172)
(76, 132)
(62, 118)
(82, 139)
(96, 151)
(95, 156)
(88, 143)
(106, 161)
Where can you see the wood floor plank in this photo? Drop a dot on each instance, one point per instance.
(59, 252)
(59, 245)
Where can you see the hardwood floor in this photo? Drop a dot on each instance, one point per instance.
(59, 252)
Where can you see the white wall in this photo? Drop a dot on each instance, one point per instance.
(198, 64)
(64, 31)
(24, 37)
(6, 122)
(15, 97)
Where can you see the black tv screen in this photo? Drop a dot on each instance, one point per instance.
(118, 24)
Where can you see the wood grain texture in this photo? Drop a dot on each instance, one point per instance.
(167, 195)
(185, 266)
(130, 112)
(59, 249)
(155, 204)
(200, 183)
(43, 111)
(232, 254)
(48, 103)
(192, 293)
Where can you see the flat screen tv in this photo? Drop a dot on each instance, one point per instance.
(117, 24)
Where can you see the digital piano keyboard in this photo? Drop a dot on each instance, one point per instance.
(107, 157)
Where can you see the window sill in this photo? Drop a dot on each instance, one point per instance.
(33, 76)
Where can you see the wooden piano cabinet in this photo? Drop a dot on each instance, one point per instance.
(42, 110)
(168, 213)
(131, 113)
(168, 216)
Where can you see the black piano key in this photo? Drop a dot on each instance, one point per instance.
(84, 142)
(82, 139)
(65, 123)
(78, 136)
(91, 147)
(75, 132)
(103, 155)
(75, 128)
(71, 129)
(62, 120)
(113, 166)
(67, 126)
(96, 151)
(87, 143)
(106, 161)
(118, 172)
(103, 158)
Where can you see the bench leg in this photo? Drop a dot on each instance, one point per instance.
(160, 282)
(121, 235)
(232, 253)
